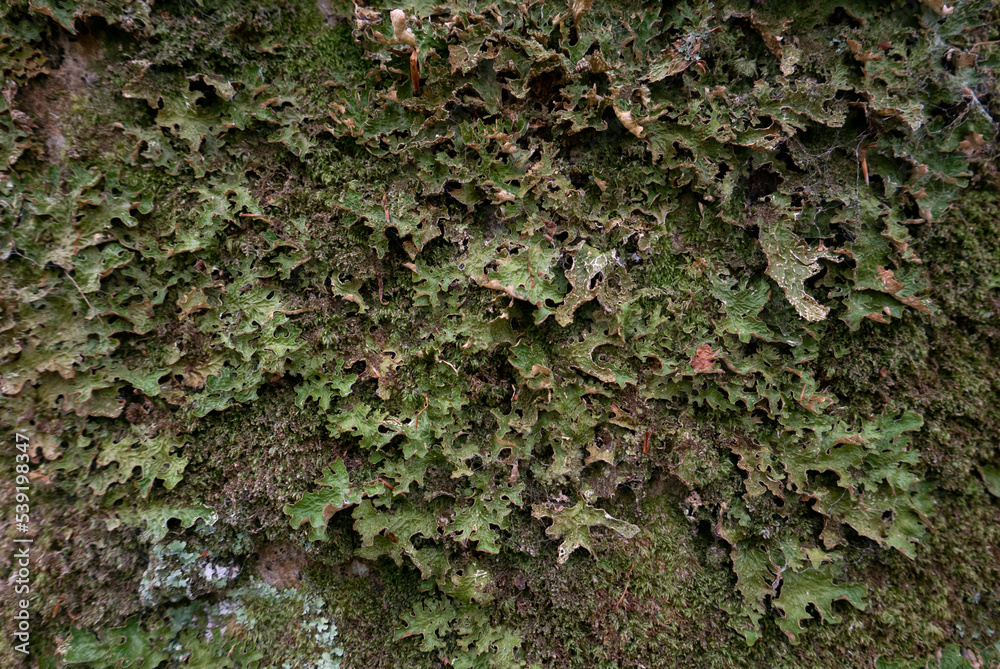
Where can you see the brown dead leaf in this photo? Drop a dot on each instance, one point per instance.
(281, 565)
(972, 145)
(861, 54)
(415, 72)
(703, 359)
(964, 59)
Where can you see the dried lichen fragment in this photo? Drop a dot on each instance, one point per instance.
(402, 33)
(579, 8)
(625, 116)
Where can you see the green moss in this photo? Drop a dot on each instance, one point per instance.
(684, 286)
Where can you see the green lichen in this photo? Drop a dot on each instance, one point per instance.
(418, 277)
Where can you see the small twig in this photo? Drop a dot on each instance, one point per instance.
(427, 403)
(70, 277)
(383, 302)
(863, 159)
(445, 362)
(628, 582)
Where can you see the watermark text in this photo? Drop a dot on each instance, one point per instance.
(22, 545)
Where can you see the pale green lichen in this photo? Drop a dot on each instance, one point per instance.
(437, 273)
